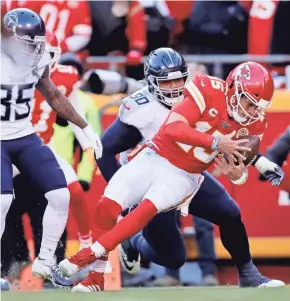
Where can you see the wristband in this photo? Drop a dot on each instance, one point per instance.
(89, 132)
(242, 179)
(215, 143)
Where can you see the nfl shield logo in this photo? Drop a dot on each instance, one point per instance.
(225, 124)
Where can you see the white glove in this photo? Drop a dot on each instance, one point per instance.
(95, 140)
(270, 171)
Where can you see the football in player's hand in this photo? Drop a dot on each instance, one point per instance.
(254, 145)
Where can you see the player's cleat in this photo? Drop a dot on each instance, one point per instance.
(210, 280)
(5, 286)
(75, 263)
(265, 282)
(48, 271)
(94, 282)
(129, 257)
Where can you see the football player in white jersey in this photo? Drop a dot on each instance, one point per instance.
(139, 119)
(24, 67)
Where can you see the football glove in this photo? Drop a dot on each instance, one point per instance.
(95, 140)
(270, 171)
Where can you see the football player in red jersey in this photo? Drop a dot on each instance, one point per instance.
(210, 119)
(43, 118)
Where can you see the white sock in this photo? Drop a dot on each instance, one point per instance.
(54, 221)
(98, 249)
(6, 200)
(99, 266)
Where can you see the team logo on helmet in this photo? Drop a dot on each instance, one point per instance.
(244, 72)
(11, 21)
(242, 132)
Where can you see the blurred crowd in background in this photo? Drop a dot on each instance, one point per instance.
(134, 28)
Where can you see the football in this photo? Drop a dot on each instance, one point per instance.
(254, 144)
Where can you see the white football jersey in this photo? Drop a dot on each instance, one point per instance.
(17, 94)
(143, 111)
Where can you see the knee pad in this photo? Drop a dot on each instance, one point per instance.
(58, 199)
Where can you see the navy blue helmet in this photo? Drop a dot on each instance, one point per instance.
(24, 32)
(165, 65)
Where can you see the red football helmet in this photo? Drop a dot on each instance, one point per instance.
(53, 47)
(254, 82)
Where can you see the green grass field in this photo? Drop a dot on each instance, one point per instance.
(172, 294)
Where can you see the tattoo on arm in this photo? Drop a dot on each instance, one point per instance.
(58, 101)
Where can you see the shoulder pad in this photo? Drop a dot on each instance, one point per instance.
(132, 110)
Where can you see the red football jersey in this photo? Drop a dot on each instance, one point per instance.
(43, 117)
(64, 18)
(206, 97)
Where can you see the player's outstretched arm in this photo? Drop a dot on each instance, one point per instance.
(58, 101)
(118, 138)
(64, 109)
(280, 149)
(179, 125)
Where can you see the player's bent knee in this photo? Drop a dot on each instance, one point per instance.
(232, 213)
(58, 199)
(107, 209)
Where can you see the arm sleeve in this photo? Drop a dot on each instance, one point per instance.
(182, 132)
(117, 138)
(278, 152)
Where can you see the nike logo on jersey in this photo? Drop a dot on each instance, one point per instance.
(225, 124)
(127, 107)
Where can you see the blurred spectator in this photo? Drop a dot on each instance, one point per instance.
(280, 43)
(261, 19)
(268, 29)
(218, 27)
(69, 20)
(119, 27)
(159, 23)
(180, 12)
